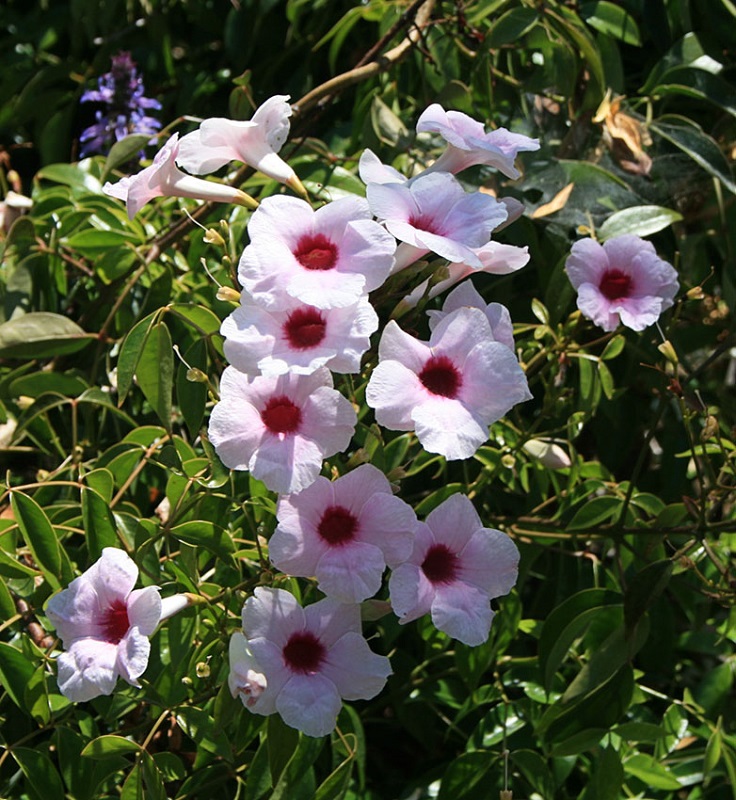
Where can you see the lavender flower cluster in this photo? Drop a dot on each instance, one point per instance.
(121, 91)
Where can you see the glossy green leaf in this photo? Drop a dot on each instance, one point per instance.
(130, 354)
(607, 778)
(205, 534)
(511, 26)
(40, 772)
(70, 175)
(99, 525)
(41, 334)
(16, 670)
(643, 589)
(155, 371)
(612, 20)
(39, 536)
(638, 221)
(653, 774)
(463, 775)
(123, 151)
(596, 511)
(110, 745)
(90, 242)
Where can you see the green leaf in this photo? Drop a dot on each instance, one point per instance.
(16, 672)
(70, 175)
(607, 778)
(703, 150)
(699, 84)
(192, 395)
(123, 151)
(510, 27)
(99, 524)
(611, 20)
(464, 774)
(606, 379)
(155, 371)
(595, 511)
(38, 383)
(202, 319)
(91, 242)
(613, 348)
(39, 536)
(110, 745)
(639, 221)
(41, 334)
(651, 773)
(133, 786)
(643, 589)
(130, 354)
(40, 772)
(335, 785)
(205, 534)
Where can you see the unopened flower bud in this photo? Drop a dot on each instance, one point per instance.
(243, 199)
(696, 293)
(213, 237)
(203, 670)
(668, 351)
(508, 461)
(549, 454)
(710, 428)
(228, 295)
(195, 375)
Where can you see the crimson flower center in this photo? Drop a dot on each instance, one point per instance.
(441, 377)
(281, 415)
(424, 222)
(115, 622)
(303, 653)
(615, 284)
(337, 526)
(440, 565)
(316, 252)
(305, 328)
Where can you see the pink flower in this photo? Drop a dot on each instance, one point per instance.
(256, 143)
(245, 680)
(467, 296)
(434, 213)
(164, 179)
(469, 144)
(280, 428)
(104, 625)
(623, 280)
(450, 389)
(495, 258)
(344, 533)
(298, 337)
(456, 568)
(308, 659)
(327, 258)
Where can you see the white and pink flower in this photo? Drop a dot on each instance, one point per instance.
(256, 143)
(467, 296)
(469, 144)
(449, 389)
(164, 179)
(327, 258)
(280, 428)
(344, 533)
(433, 213)
(623, 280)
(104, 625)
(298, 337)
(456, 568)
(302, 662)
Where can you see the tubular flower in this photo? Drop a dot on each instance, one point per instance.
(343, 532)
(164, 179)
(469, 144)
(104, 625)
(327, 258)
(302, 662)
(623, 280)
(280, 428)
(256, 143)
(456, 568)
(449, 389)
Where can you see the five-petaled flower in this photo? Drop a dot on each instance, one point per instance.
(164, 179)
(327, 258)
(256, 143)
(456, 568)
(622, 280)
(104, 625)
(302, 662)
(344, 533)
(449, 389)
(280, 428)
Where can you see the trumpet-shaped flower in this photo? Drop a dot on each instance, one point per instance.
(302, 662)
(449, 389)
(104, 625)
(280, 428)
(256, 143)
(623, 280)
(456, 568)
(467, 296)
(434, 213)
(298, 337)
(469, 144)
(327, 258)
(344, 533)
(164, 179)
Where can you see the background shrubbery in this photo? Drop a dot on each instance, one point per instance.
(609, 672)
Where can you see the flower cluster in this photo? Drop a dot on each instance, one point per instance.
(310, 278)
(125, 106)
